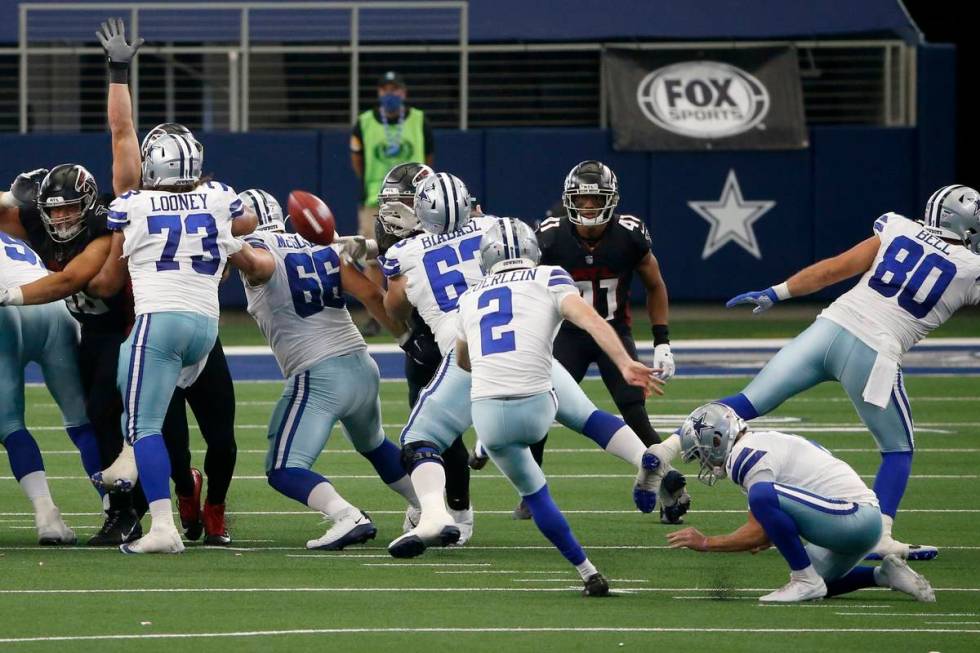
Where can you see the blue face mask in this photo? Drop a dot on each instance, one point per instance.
(391, 102)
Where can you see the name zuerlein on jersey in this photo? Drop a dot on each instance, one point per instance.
(507, 277)
(429, 241)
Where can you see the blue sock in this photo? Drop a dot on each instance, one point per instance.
(153, 464)
(741, 405)
(295, 482)
(24, 454)
(856, 579)
(549, 520)
(84, 438)
(601, 426)
(387, 461)
(779, 526)
(893, 476)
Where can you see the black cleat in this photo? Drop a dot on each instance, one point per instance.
(596, 585)
(120, 527)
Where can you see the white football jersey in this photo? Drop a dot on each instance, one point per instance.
(509, 321)
(793, 461)
(301, 310)
(438, 269)
(19, 264)
(177, 244)
(917, 281)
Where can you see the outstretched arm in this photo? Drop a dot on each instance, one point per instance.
(112, 277)
(371, 295)
(748, 537)
(126, 160)
(75, 277)
(257, 264)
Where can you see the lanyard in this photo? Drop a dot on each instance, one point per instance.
(393, 136)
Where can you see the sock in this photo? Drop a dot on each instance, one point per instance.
(612, 434)
(549, 520)
(153, 464)
(429, 480)
(24, 454)
(857, 578)
(586, 569)
(808, 573)
(296, 483)
(741, 405)
(387, 461)
(88, 446)
(887, 523)
(161, 513)
(324, 498)
(779, 526)
(636, 416)
(892, 477)
(35, 485)
(403, 486)
(456, 459)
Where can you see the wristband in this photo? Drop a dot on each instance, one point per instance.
(782, 291)
(660, 334)
(118, 73)
(15, 296)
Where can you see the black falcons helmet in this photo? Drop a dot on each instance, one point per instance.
(396, 198)
(67, 185)
(591, 178)
(167, 128)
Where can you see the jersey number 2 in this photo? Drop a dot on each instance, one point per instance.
(503, 341)
(193, 224)
(900, 260)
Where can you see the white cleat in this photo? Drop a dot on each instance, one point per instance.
(464, 522)
(121, 474)
(896, 574)
(355, 527)
(798, 589)
(412, 516)
(438, 531)
(888, 545)
(163, 539)
(52, 530)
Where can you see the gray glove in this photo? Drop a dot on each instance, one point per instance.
(119, 53)
(23, 191)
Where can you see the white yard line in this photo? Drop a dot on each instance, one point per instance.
(279, 590)
(500, 477)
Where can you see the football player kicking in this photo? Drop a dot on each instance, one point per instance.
(431, 271)
(175, 235)
(796, 488)
(295, 292)
(915, 277)
(505, 327)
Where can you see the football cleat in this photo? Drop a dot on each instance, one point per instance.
(478, 457)
(189, 508)
(674, 499)
(798, 589)
(354, 527)
(163, 539)
(52, 530)
(595, 585)
(431, 532)
(412, 516)
(464, 522)
(522, 511)
(890, 546)
(896, 574)
(121, 474)
(120, 527)
(215, 530)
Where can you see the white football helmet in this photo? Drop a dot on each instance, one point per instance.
(266, 209)
(442, 203)
(954, 212)
(708, 435)
(172, 160)
(508, 244)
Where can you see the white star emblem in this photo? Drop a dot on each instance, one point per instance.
(731, 218)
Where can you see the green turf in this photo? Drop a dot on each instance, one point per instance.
(362, 589)
(687, 321)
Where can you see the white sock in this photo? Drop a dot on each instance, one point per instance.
(808, 574)
(161, 514)
(887, 523)
(625, 444)
(586, 569)
(404, 487)
(879, 581)
(325, 498)
(35, 485)
(671, 447)
(429, 480)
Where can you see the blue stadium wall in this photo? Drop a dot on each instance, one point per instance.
(826, 197)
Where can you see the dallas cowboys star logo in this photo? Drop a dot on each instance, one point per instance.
(731, 218)
(699, 423)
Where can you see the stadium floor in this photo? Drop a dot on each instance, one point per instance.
(508, 587)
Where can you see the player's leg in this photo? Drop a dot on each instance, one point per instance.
(299, 429)
(212, 398)
(796, 367)
(575, 350)
(628, 398)
(187, 481)
(507, 428)
(23, 453)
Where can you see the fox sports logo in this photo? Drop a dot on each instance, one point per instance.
(703, 99)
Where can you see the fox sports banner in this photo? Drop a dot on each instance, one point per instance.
(725, 99)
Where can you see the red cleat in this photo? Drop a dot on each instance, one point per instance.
(190, 508)
(215, 531)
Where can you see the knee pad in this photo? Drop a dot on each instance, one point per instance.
(416, 453)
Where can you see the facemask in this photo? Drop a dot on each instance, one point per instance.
(391, 102)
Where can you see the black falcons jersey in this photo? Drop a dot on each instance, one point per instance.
(604, 274)
(102, 315)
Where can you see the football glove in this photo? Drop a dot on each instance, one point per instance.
(674, 499)
(119, 53)
(23, 190)
(421, 348)
(663, 360)
(763, 300)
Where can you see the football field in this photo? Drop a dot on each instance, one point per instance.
(508, 589)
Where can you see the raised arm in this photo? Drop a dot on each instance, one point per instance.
(256, 264)
(126, 160)
(371, 295)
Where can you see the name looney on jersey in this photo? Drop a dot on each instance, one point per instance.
(179, 202)
(431, 240)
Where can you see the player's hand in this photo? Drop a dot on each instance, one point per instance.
(663, 360)
(763, 547)
(112, 36)
(354, 248)
(25, 187)
(688, 538)
(638, 374)
(763, 300)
